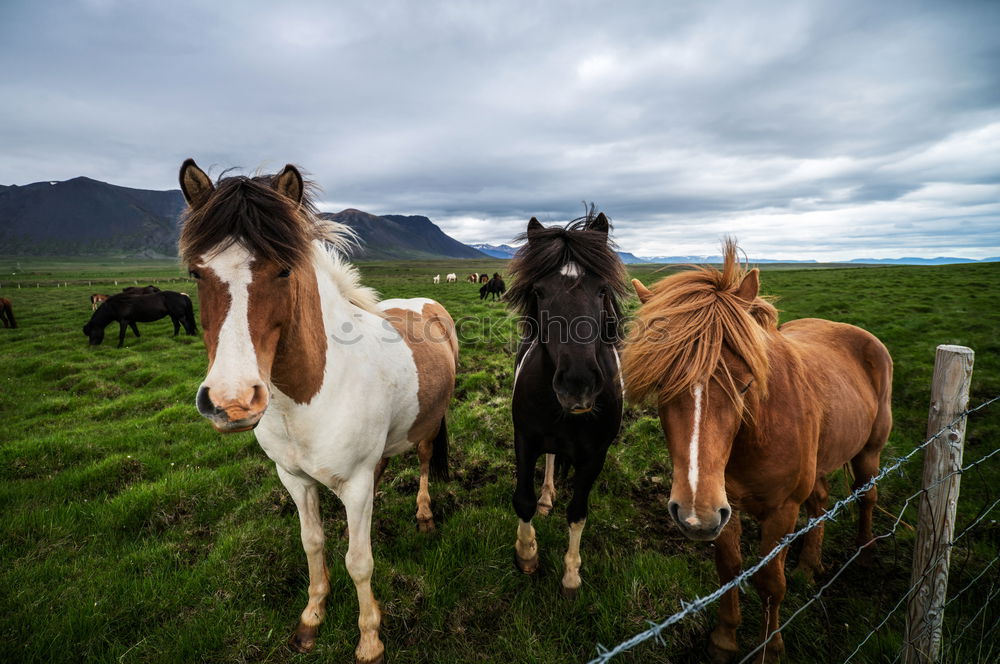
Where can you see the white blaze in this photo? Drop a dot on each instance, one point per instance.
(693, 451)
(571, 269)
(235, 366)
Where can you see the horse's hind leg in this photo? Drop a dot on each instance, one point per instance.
(357, 498)
(121, 334)
(177, 325)
(425, 518)
(865, 466)
(722, 643)
(548, 497)
(135, 328)
(305, 493)
(811, 558)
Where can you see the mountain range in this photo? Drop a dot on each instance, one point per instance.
(83, 216)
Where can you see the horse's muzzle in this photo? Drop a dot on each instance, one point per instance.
(233, 417)
(695, 528)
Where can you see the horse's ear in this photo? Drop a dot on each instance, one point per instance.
(533, 227)
(289, 183)
(640, 290)
(599, 223)
(195, 185)
(750, 286)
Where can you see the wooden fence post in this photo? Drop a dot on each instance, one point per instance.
(936, 522)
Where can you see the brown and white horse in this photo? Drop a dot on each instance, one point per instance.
(333, 382)
(96, 300)
(755, 416)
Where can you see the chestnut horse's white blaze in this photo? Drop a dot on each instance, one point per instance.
(333, 381)
(693, 452)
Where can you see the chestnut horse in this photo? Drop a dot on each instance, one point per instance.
(7, 313)
(334, 381)
(755, 416)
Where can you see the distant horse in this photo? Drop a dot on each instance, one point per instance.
(334, 381)
(96, 299)
(473, 278)
(140, 290)
(567, 399)
(437, 278)
(452, 278)
(483, 278)
(755, 416)
(130, 309)
(7, 313)
(495, 288)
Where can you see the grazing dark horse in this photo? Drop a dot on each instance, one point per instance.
(130, 309)
(7, 313)
(755, 417)
(567, 400)
(495, 288)
(140, 290)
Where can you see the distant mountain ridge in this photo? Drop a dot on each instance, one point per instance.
(83, 216)
(396, 236)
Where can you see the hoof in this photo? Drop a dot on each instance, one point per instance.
(426, 525)
(543, 509)
(529, 566)
(304, 638)
(570, 593)
(718, 654)
(380, 659)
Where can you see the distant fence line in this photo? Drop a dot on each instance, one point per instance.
(59, 283)
(955, 429)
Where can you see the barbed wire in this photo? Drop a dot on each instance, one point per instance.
(739, 581)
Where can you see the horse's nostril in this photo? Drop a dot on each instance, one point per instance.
(724, 513)
(204, 403)
(674, 508)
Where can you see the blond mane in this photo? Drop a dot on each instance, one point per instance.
(677, 338)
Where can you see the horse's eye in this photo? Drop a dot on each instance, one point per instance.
(603, 292)
(194, 274)
(284, 273)
(747, 386)
(538, 292)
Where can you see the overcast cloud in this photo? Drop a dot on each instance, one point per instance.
(827, 130)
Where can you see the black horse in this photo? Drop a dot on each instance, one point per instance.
(495, 287)
(128, 309)
(567, 401)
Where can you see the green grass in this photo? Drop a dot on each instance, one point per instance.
(132, 532)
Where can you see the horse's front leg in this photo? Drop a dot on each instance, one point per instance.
(135, 328)
(357, 498)
(305, 493)
(526, 547)
(722, 643)
(548, 497)
(122, 325)
(576, 516)
(770, 581)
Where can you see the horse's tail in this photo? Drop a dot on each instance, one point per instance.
(189, 313)
(439, 453)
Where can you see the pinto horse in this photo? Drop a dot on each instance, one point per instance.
(96, 300)
(7, 313)
(755, 417)
(567, 400)
(129, 309)
(333, 382)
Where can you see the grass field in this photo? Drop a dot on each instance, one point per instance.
(132, 532)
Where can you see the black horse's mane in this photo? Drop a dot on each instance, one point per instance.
(549, 249)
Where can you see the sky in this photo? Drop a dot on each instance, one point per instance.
(807, 130)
